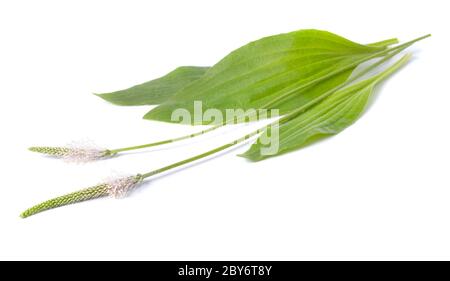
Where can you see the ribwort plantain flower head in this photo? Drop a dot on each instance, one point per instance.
(75, 152)
(116, 188)
(119, 187)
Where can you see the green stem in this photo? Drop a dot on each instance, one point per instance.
(200, 156)
(114, 151)
(384, 43)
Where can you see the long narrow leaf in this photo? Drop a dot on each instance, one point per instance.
(158, 90)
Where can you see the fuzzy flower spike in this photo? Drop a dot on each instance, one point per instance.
(78, 153)
(115, 188)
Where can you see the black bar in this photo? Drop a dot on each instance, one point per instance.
(227, 270)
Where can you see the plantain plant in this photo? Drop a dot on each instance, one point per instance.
(316, 80)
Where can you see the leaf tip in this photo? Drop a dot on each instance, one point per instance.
(110, 97)
(250, 156)
(101, 95)
(147, 116)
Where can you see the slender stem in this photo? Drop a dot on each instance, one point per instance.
(114, 151)
(384, 43)
(200, 156)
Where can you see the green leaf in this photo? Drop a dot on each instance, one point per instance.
(282, 71)
(158, 90)
(328, 117)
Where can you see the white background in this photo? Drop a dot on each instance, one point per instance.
(379, 190)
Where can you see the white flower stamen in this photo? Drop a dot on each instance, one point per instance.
(119, 187)
(81, 152)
